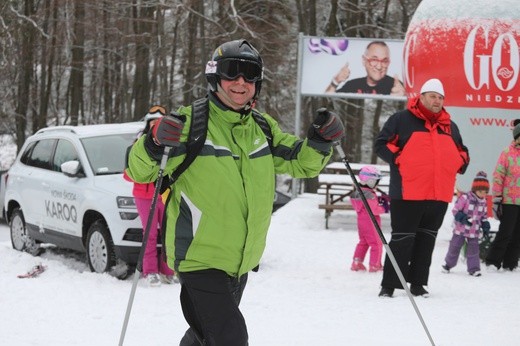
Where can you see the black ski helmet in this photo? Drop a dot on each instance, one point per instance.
(233, 59)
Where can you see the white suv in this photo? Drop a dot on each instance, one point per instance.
(66, 187)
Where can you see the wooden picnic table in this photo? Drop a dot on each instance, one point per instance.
(337, 188)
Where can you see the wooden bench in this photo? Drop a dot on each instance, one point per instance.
(329, 208)
(337, 189)
(332, 191)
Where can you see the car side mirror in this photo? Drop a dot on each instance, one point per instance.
(72, 169)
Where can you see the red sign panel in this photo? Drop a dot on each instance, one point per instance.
(476, 59)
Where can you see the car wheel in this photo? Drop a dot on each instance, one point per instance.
(100, 248)
(20, 240)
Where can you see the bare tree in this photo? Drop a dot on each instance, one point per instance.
(26, 57)
(78, 53)
(143, 18)
(96, 61)
(46, 63)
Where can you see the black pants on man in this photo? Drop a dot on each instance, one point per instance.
(414, 229)
(209, 300)
(505, 248)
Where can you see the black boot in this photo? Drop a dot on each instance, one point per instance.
(386, 292)
(419, 291)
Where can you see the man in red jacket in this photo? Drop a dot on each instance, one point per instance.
(425, 152)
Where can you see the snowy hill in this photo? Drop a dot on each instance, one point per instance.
(304, 294)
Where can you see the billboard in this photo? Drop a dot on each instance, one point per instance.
(474, 51)
(352, 67)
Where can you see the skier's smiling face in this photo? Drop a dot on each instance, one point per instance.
(237, 92)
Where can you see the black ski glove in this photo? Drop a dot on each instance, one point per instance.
(497, 207)
(166, 132)
(486, 227)
(325, 129)
(462, 218)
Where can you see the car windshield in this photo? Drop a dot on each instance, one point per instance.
(107, 154)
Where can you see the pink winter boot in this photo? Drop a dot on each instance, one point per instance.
(357, 265)
(376, 268)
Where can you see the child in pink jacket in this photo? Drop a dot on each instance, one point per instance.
(369, 177)
(155, 269)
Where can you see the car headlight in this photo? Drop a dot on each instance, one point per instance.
(128, 215)
(125, 202)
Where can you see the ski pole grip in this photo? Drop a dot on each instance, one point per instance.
(164, 157)
(338, 147)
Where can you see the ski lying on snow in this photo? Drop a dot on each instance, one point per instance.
(34, 272)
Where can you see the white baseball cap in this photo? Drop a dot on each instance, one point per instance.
(433, 85)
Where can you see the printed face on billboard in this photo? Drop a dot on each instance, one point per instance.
(357, 68)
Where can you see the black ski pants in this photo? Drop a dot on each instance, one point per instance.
(209, 300)
(414, 229)
(505, 248)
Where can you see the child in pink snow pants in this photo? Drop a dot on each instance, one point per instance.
(152, 261)
(155, 269)
(369, 177)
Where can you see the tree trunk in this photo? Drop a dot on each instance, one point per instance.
(173, 64)
(143, 18)
(46, 63)
(25, 79)
(191, 69)
(309, 22)
(375, 129)
(78, 55)
(107, 66)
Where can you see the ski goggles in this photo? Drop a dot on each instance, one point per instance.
(371, 175)
(157, 109)
(231, 69)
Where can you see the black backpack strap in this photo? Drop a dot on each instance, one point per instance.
(196, 136)
(266, 129)
(199, 130)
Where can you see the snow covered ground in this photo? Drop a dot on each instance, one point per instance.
(304, 294)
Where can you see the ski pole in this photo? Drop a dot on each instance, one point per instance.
(138, 268)
(389, 252)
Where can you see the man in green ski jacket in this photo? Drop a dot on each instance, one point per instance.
(218, 211)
